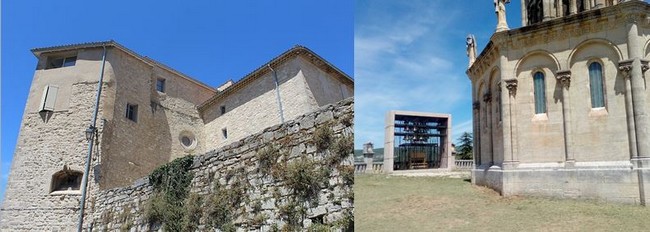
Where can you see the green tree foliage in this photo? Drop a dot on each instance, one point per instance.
(464, 148)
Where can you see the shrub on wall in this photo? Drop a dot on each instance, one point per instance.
(171, 186)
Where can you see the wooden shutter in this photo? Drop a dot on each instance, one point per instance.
(49, 98)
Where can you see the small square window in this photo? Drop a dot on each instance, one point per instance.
(223, 110)
(132, 112)
(224, 132)
(160, 85)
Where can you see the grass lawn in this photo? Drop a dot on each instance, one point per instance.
(390, 203)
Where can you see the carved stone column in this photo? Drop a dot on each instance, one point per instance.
(476, 108)
(511, 159)
(487, 98)
(625, 67)
(573, 6)
(546, 6)
(564, 78)
(639, 105)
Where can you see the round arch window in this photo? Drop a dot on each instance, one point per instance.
(187, 140)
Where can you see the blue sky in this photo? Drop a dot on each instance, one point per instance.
(212, 41)
(410, 55)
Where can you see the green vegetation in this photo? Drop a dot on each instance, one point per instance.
(267, 157)
(340, 150)
(387, 203)
(171, 186)
(323, 137)
(464, 148)
(305, 176)
(223, 205)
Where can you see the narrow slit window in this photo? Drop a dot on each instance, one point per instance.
(160, 85)
(596, 85)
(224, 133)
(223, 110)
(540, 93)
(132, 112)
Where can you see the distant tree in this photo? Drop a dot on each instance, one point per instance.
(464, 148)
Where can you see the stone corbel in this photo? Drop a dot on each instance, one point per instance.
(564, 77)
(625, 67)
(511, 85)
(487, 97)
(476, 105)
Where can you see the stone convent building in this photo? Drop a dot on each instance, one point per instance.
(149, 114)
(562, 104)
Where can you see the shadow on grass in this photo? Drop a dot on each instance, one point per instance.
(468, 180)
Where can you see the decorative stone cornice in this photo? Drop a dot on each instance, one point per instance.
(476, 105)
(564, 77)
(625, 67)
(511, 85)
(487, 97)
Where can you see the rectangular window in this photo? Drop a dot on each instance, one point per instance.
(61, 62)
(224, 132)
(132, 112)
(160, 85)
(48, 98)
(223, 110)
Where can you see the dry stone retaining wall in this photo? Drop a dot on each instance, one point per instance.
(294, 176)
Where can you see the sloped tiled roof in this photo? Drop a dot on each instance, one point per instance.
(112, 43)
(297, 50)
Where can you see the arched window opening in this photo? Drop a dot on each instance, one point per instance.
(596, 85)
(498, 106)
(66, 180)
(540, 93)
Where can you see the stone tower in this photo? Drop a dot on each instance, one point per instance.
(560, 105)
(43, 190)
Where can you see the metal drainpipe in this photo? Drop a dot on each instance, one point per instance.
(84, 181)
(277, 92)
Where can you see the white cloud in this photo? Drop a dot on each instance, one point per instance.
(401, 65)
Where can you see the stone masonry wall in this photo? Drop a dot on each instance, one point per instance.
(313, 144)
(43, 148)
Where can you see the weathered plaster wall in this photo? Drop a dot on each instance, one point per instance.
(124, 208)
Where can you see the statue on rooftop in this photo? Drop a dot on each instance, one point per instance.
(500, 10)
(470, 44)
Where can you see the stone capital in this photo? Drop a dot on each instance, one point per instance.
(625, 67)
(511, 85)
(564, 77)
